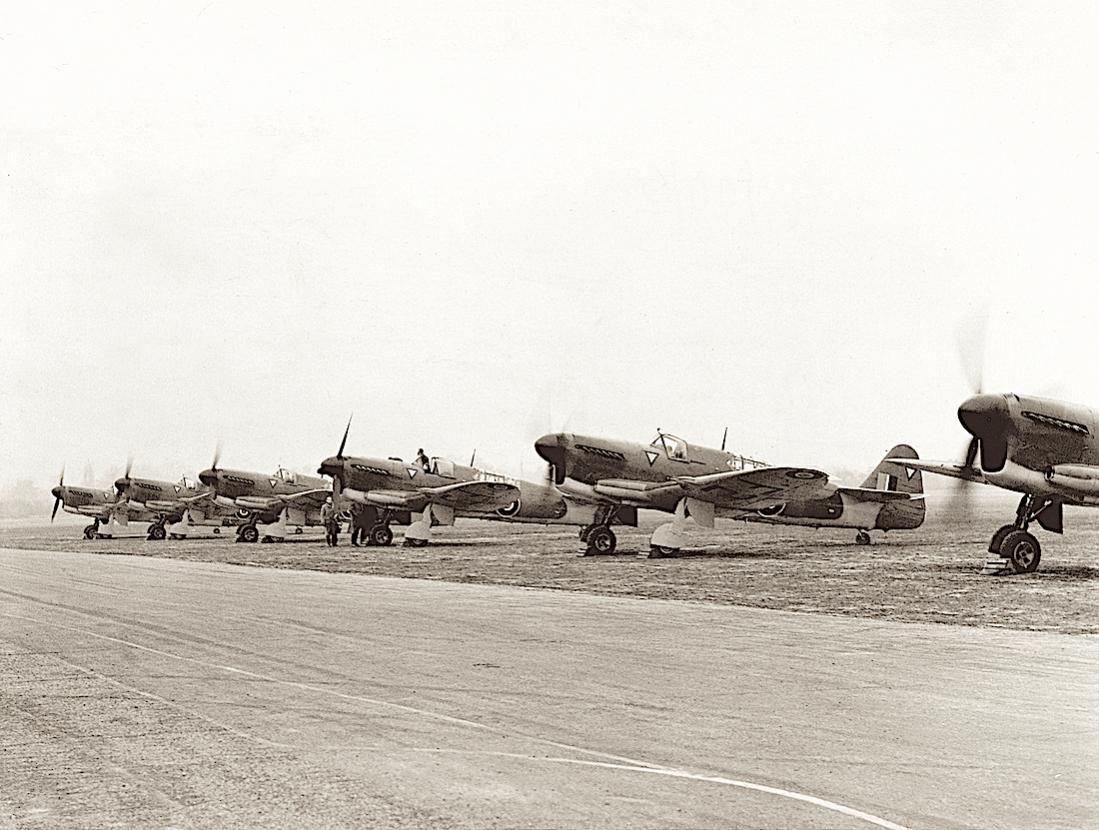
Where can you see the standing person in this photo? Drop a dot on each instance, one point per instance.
(358, 532)
(423, 460)
(331, 523)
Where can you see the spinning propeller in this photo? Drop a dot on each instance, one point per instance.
(57, 491)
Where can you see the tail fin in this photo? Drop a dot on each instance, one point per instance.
(889, 475)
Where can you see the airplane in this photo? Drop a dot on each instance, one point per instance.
(275, 500)
(99, 505)
(1045, 449)
(689, 481)
(440, 491)
(178, 505)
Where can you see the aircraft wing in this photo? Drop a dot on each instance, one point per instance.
(632, 492)
(164, 505)
(473, 495)
(314, 497)
(757, 488)
(403, 499)
(943, 469)
(869, 494)
(192, 500)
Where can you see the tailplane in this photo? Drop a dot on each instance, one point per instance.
(890, 477)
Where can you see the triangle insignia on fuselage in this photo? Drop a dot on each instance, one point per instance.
(274, 482)
(652, 455)
(412, 472)
(178, 488)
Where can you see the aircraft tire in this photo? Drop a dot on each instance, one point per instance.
(862, 538)
(156, 533)
(601, 539)
(90, 532)
(998, 538)
(661, 552)
(381, 535)
(248, 533)
(217, 531)
(1023, 550)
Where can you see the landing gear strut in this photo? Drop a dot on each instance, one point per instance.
(247, 533)
(1014, 543)
(156, 532)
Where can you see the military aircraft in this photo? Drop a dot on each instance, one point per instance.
(99, 505)
(277, 500)
(1045, 449)
(439, 491)
(175, 505)
(696, 482)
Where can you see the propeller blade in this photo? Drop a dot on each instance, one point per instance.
(56, 504)
(723, 437)
(61, 478)
(129, 466)
(971, 451)
(343, 443)
(473, 457)
(217, 456)
(971, 339)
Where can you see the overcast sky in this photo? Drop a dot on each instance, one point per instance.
(472, 223)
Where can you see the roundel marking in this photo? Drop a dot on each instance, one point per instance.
(804, 475)
(509, 510)
(244, 512)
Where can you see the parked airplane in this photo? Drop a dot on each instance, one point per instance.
(672, 476)
(266, 504)
(1045, 449)
(99, 505)
(176, 506)
(438, 491)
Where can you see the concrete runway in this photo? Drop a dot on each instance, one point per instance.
(153, 692)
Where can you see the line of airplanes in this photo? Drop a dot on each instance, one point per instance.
(1042, 448)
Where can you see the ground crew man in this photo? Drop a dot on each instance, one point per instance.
(331, 523)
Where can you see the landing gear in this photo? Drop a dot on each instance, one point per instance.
(381, 535)
(156, 532)
(92, 530)
(601, 540)
(662, 551)
(1016, 544)
(217, 531)
(247, 533)
(862, 538)
(413, 542)
(1022, 550)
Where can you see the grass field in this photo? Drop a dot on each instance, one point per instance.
(928, 575)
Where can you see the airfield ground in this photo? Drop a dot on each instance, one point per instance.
(311, 689)
(929, 575)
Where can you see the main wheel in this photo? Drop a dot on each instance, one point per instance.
(248, 533)
(660, 551)
(90, 532)
(998, 538)
(415, 543)
(381, 535)
(601, 539)
(862, 538)
(217, 531)
(156, 532)
(1023, 550)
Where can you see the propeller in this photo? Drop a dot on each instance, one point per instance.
(57, 491)
(970, 339)
(473, 457)
(343, 443)
(217, 456)
(723, 437)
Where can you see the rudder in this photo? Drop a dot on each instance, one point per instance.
(889, 475)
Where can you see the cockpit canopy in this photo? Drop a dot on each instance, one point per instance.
(442, 466)
(675, 448)
(289, 476)
(187, 483)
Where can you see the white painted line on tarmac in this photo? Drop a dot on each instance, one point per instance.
(624, 763)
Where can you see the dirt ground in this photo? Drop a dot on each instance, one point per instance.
(929, 575)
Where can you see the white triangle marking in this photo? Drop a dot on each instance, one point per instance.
(652, 456)
(412, 472)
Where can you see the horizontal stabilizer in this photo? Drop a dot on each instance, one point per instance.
(942, 468)
(869, 494)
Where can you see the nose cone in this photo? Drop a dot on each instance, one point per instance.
(332, 466)
(984, 415)
(56, 491)
(121, 484)
(552, 449)
(208, 477)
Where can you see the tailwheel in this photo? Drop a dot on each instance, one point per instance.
(998, 538)
(601, 539)
(91, 531)
(217, 531)
(862, 538)
(1023, 550)
(156, 533)
(381, 535)
(247, 533)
